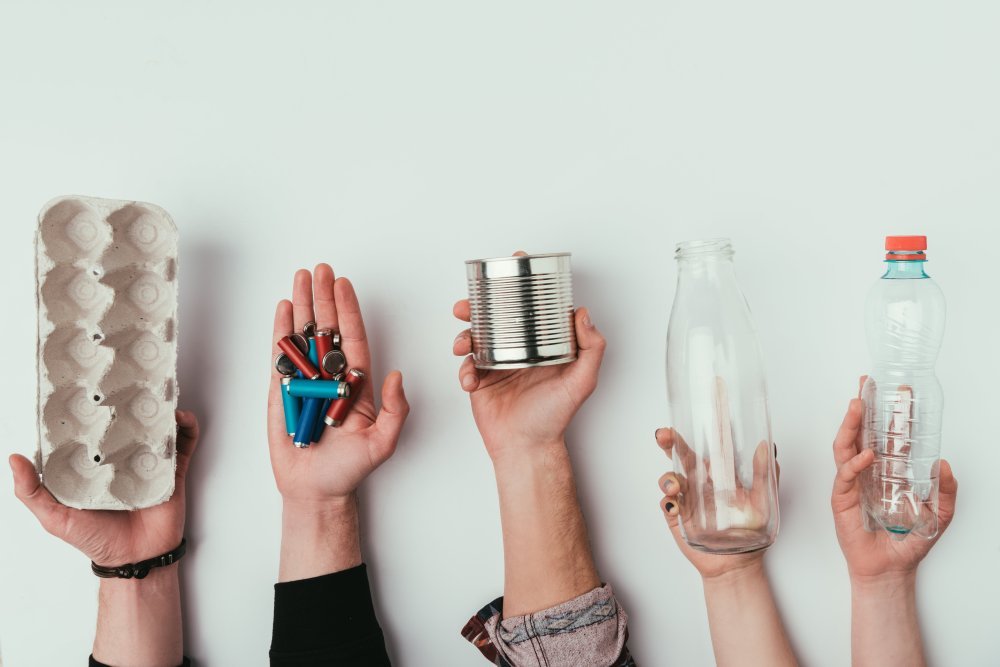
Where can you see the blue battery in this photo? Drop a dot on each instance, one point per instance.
(320, 424)
(319, 388)
(307, 422)
(292, 405)
(313, 352)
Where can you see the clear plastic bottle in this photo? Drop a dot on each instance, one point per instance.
(904, 317)
(718, 403)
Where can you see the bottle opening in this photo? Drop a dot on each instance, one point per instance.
(906, 248)
(720, 247)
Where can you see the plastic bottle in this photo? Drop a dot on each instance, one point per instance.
(904, 316)
(718, 403)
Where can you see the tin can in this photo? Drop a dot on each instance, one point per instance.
(522, 311)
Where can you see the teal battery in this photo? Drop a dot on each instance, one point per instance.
(320, 424)
(292, 406)
(313, 351)
(319, 388)
(307, 421)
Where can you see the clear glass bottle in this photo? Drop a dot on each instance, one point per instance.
(904, 319)
(718, 402)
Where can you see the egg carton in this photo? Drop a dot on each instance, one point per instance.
(106, 280)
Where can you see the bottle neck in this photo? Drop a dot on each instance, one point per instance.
(904, 270)
(705, 259)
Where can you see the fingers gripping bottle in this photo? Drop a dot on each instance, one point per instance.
(718, 402)
(904, 317)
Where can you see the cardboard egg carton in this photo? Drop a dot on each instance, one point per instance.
(106, 279)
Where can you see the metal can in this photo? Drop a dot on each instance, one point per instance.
(522, 311)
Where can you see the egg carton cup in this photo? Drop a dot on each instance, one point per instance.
(106, 280)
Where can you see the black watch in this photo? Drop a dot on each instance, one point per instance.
(141, 569)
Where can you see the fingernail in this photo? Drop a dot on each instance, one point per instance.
(586, 320)
(668, 485)
(668, 507)
(468, 382)
(656, 433)
(458, 338)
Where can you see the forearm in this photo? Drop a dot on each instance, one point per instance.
(884, 626)
(744, 620)
(139, 620)
(318, 538)
(547, 557)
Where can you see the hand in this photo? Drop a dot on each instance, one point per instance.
(332, 469)
(872, 554)
(529, 406)
(673, 504)
(110, 537)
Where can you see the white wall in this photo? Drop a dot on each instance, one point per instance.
(397, 139)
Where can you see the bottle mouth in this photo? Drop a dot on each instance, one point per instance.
(906, 256)
(718, 247)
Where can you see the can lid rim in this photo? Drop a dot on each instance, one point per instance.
(518, 258)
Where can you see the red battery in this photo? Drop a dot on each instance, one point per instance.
(338, 409)
(324, 343)
(300, 360)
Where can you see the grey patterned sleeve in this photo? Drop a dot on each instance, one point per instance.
(587, 631)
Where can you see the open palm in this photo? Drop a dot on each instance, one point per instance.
(345, 455)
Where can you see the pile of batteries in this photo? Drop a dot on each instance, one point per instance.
(315, 390)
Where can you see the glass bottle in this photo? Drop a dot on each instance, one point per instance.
(718, 401)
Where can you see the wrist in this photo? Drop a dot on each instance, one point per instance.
(319, 537)
(884, 584)
(515, 455)
(748, 569)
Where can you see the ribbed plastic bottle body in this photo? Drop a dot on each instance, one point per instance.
(718, 404)
(905, 318)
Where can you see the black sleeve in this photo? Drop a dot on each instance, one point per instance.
(95, 663)
(327, 620)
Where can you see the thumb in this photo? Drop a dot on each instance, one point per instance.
(29, 490)
(390, 419)
(590, 346)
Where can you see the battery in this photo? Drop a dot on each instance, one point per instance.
(309, 329)
(284, 365)
(333, 363)
(313, 354)
(319, 388)
(307, 422)
(292, 406)
(338, 409)
(320, 424)
(324, 345)
(301, 342)
(296, 357)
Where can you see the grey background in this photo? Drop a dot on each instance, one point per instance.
(396, 140)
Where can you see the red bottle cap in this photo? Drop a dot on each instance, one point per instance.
(906, 247)
(906, 243)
